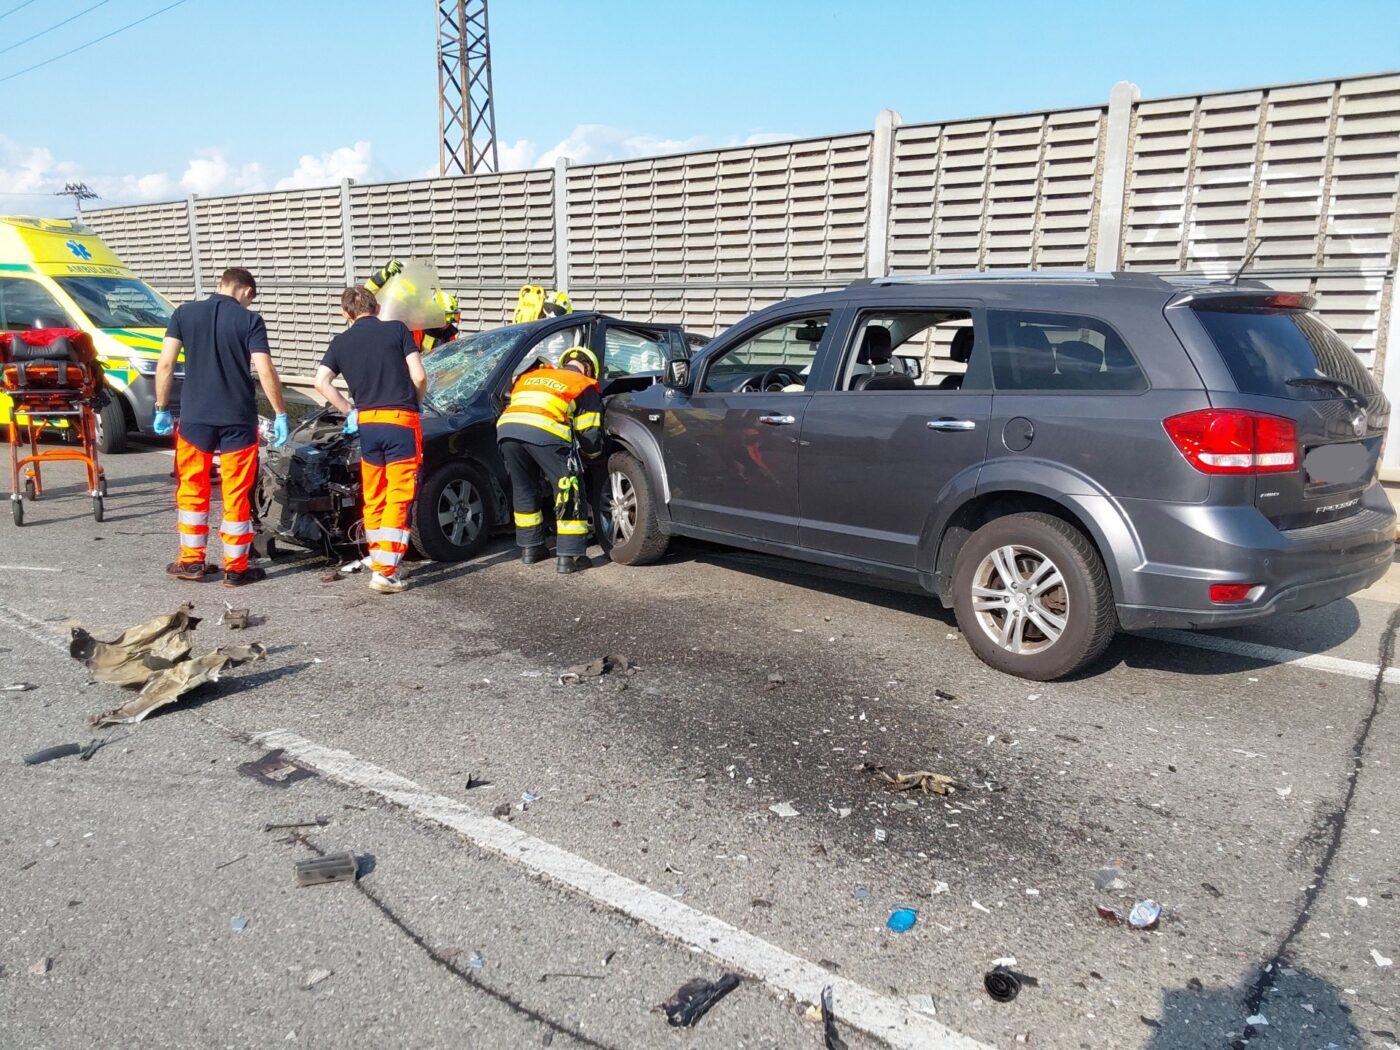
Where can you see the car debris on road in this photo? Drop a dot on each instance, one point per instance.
(333, 867)
(922, 780)
(275, 769)
(49, 754)
(155, 657)
(612, 664)
(830, 1036)
(694, 999)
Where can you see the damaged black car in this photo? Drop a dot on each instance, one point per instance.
(308, 492)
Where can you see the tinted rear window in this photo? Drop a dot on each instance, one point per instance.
(1265, 349)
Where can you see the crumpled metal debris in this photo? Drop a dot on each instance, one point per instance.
(694, 998)
(615, 663)
(920, 779)
(169, 684)
(830, 1035)
(135, 655)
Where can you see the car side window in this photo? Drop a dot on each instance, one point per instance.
(26, 304)
(551, 347)
(629, 352)
(777, 359)
(1065, 352)
(909, 350)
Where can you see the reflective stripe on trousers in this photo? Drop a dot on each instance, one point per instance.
(391, 449)
(238, 469)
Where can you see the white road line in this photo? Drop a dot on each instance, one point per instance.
(32, 628)
(1271, 654)
(888, 1019)
(28, 568)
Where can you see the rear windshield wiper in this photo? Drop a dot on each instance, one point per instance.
(1340, 386)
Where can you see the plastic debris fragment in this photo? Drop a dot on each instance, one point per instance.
(902, 920)
(830, 1035)
(1144, 915)
(694, 999)
(1001, 984)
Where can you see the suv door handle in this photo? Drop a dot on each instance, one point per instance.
(777, 421)
(952, 424)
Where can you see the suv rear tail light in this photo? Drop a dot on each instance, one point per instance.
(1228, 593)
(1232, 441)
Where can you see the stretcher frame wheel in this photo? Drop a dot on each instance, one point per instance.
(97, 508)
(30, 492)
(17, 510)
(102, 484)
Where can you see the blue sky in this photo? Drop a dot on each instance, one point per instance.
(220, 97)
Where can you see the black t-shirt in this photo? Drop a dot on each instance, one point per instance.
(371, 355)
(220, 337)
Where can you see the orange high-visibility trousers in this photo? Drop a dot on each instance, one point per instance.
(195, 447)
(391, 449)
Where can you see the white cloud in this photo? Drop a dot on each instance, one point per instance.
(597, 143)
(327, 169)
(514, 155)
(210, 172)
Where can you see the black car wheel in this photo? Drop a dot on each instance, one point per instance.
(1032, 597)
(452, 519)
(111, 427)
(637, 538)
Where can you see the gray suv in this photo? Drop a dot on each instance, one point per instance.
(1077, 453)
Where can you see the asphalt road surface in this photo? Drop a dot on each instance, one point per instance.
(1251, 791)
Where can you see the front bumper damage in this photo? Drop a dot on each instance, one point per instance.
(308, 492)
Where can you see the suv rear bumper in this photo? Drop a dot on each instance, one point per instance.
(1298, 569)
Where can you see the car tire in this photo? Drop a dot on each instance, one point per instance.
(111, 427)
(637, 537)
(452, 513)
(1002, 601)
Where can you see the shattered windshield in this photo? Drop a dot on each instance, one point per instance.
(458, 371)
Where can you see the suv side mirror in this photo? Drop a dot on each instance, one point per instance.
(913, 367)
(677, 375)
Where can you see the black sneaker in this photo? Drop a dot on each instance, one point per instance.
(530, 555)
(570, 564)
(190, 570)
(252, 574)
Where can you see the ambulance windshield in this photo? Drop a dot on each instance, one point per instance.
(117, 302)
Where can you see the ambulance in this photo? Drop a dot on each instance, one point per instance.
(58, 273)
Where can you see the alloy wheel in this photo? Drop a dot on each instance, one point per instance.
(460, 512)
(1020, 599)
(622, 499)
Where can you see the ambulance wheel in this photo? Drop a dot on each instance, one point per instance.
(451, 516)
(17, 509)
(30, 492)
(97, 508)
(111, 428)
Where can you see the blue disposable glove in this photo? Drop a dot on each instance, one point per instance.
(164, 422)
(279, 430)
(352, 422)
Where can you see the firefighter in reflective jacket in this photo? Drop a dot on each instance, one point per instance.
(552, 411)
(426, 338)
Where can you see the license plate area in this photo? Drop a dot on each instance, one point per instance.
(1346, 463)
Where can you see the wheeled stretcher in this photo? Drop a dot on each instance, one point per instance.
(51, 374)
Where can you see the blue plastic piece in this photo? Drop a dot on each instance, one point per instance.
(902, 920)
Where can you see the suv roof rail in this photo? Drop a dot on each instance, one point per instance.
(1007, 275)
(1141, 278)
